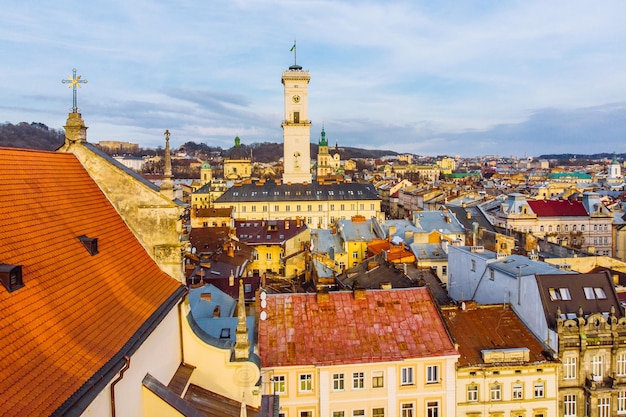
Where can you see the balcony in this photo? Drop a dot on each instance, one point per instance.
(594, 382)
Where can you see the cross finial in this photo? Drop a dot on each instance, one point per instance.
(74, 81)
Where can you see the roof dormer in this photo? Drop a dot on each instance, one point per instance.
(91, 244)
(11, 277)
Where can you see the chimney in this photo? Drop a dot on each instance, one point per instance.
(286, 224)
(385, 285)
(323, 296)
(468, 215)
(371, 265)
(298, 222)
(359, 293)
(231, 251)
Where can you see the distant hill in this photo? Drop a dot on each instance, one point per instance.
(39, 136)
(272, 152)
(30, 136)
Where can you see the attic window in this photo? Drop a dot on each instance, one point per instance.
(11, 277)
(91, 244)
(593, 293)
(225, 333)
(559, 294)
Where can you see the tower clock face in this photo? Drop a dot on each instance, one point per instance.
(296, 98)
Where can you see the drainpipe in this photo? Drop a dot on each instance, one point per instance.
(180, 325)
(119, 378)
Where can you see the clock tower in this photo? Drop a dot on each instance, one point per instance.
(296, 126)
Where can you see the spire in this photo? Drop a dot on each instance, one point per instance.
(75, 129)
(167, 186)
(242, 344)
(323, 141)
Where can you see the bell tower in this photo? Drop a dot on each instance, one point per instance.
(296, 126)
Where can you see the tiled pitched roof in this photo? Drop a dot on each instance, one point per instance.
(489, 327)
(554, 208)
(385, 325)
(268, 232)
(75, 311)
(261, 191)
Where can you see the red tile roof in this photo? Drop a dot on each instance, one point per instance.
(557, 208)
(75, 311)
(489, 327)
(385, 325)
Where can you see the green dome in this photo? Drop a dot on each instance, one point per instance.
(206, 165)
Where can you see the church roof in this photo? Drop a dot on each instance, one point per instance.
(66, 331)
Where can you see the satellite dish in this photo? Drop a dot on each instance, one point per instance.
(263, 315)
(263, 295)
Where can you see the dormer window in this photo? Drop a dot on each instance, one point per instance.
(90, 243)
(11, 277)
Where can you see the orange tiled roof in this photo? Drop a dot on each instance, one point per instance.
(489, 327)
(385, 325)
(75, 311)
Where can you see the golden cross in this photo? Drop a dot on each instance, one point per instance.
(74, 81)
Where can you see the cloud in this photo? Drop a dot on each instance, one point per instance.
(430, 77)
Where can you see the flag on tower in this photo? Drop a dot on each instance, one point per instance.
(293, 47)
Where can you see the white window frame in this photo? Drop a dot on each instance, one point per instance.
(495, 392)
(569, 405)
(358, 380)
(338, 382)
(406, 376)
(407, 410)
(432, 409)
(570, 365)
(621, 364)
(597, 366)
(621, 402)
(539, 390)
(472, 393)
(604, 407)
(518, 392)
(305, 383)
(280, 384)
(432, 374)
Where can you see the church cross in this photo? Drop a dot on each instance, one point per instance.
(74, 81)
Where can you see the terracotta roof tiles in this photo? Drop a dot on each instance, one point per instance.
(489, 327)
(75, 311)
(383, 325)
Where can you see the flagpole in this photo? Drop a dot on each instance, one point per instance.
(295, 52)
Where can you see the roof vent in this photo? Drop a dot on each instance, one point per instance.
(11, 277)
(91, 244)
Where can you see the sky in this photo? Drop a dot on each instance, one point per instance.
(467, 78)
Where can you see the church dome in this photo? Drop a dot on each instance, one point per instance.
(206, 165)
(237, 152)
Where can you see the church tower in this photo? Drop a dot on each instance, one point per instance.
(615, 170)
(296, 126)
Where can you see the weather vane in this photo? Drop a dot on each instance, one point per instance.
(74, 81)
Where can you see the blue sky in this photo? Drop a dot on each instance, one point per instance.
(431, 78)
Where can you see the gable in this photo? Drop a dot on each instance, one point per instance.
(76, 312)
